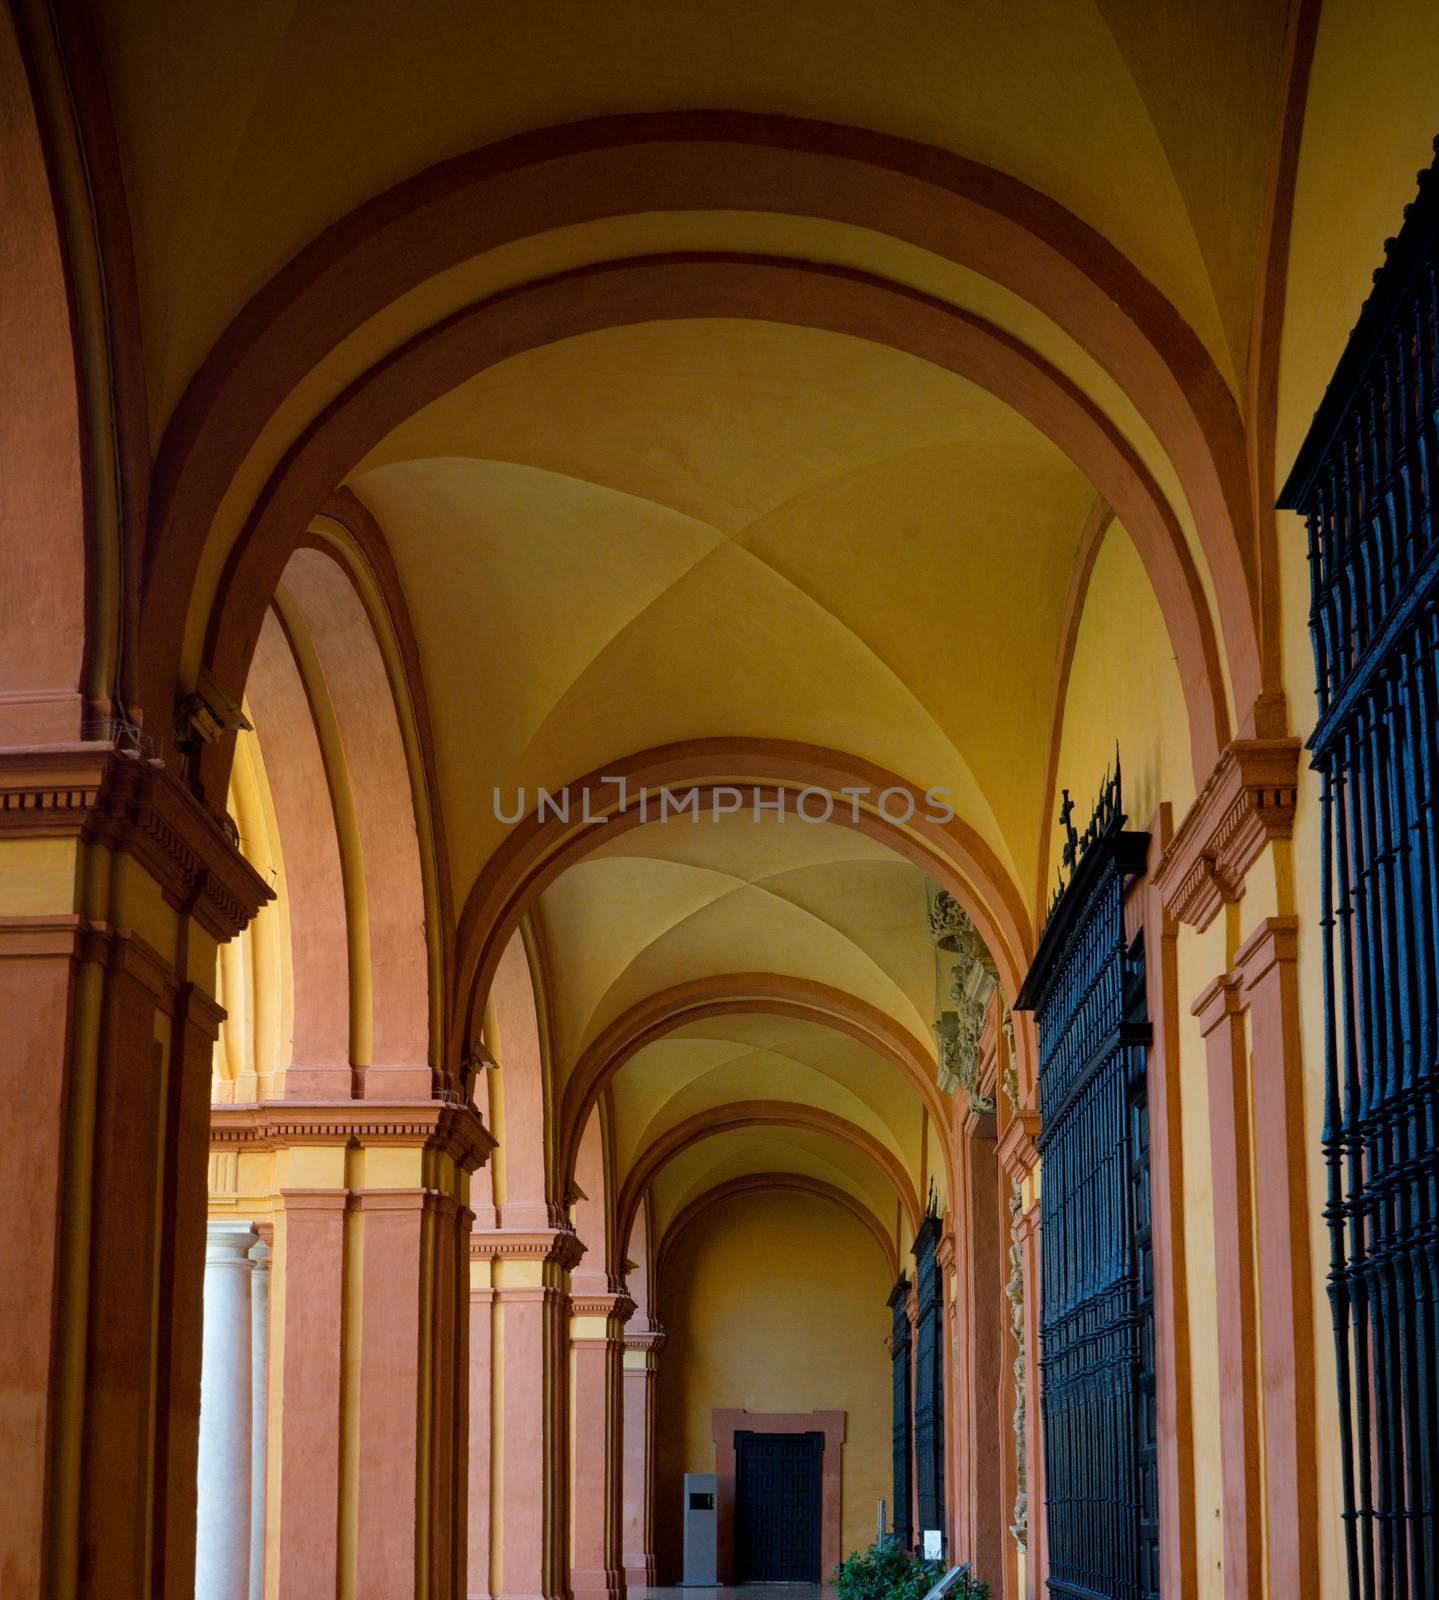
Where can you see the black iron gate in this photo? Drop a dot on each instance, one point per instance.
(1365, 482)
(1096, 1331)
(777, 1507)
(902, 1445)
(928, 1379)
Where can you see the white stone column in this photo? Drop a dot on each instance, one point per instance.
(259, 1411)
(222, 1512)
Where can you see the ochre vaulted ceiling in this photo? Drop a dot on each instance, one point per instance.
(246, 131)
(685, 432)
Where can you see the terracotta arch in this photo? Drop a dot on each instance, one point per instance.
(516, 1100)
(760, 1114)
(278, 697)
(361, 903)
(764, 288)
(769, 1183)
(535, 852)
(460, 209)
(740, 994)
(370, 784)
(345, 529)
(50, 612)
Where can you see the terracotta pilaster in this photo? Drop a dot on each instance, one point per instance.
(519, 1412)
(597, 1323)
(116, 887)
(370, 1265)
(977, 1498)
(1018, 1159)
(1221, 1018)
(1256, 1106)
(1265, 966)
(637, 1540)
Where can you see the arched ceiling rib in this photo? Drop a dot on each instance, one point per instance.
(230, 171)
(718, 526)
(749, 470)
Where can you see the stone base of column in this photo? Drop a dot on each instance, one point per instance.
(640, 1572)
(597, 1583)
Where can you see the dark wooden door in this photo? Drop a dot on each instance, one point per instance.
(777, 1507)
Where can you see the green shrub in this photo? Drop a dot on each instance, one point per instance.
(886, 1571)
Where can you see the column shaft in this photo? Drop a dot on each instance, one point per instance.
(597, 1351)
(115, 887)
(222, 1508)
(259, 1412)
(519, 1412)
(311, 1265)
(641, 1363)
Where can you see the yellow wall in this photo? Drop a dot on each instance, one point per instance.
(1372, 113)
(1123, 686)
(773, 1302)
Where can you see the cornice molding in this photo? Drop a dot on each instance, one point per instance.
(455, 1131)
(560, 1246)
(651, 1340)
(614, 1307)
(1017, 1148)
(103, 795)
(1247, 802)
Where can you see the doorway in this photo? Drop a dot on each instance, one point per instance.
(777, 1507)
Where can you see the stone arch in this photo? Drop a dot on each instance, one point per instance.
(536, 852)
(759, 1114)
(515, 1096)
(50, 611)
(734, 994)
(766, 1183)
(361, 905)
(763, 288)
(956, 208)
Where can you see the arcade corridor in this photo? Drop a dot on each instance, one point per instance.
(717, 796)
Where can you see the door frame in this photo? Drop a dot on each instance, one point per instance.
(726, 1424)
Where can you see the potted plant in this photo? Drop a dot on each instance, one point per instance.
(887, 1571)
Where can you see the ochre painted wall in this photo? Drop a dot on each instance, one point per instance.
(1373, 110)
(772, 1302)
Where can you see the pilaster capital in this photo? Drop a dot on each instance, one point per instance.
(944, 1252)
(1247, 801)
(1218, 1001)
(1274, 942)
(102, 795)
(615, 1306)
(1017, 1149)
(454, 1130)
(648, 1341)
(559, 1247)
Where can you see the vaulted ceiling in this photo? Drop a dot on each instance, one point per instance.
(707, 505)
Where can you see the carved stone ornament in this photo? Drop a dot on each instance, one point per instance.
(957, 1032)
(1014, 1292)
(1009, 1077)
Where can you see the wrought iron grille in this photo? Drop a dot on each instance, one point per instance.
(928, 1378)
(1096, 1329)
(1364, 481)
(901, 1350)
